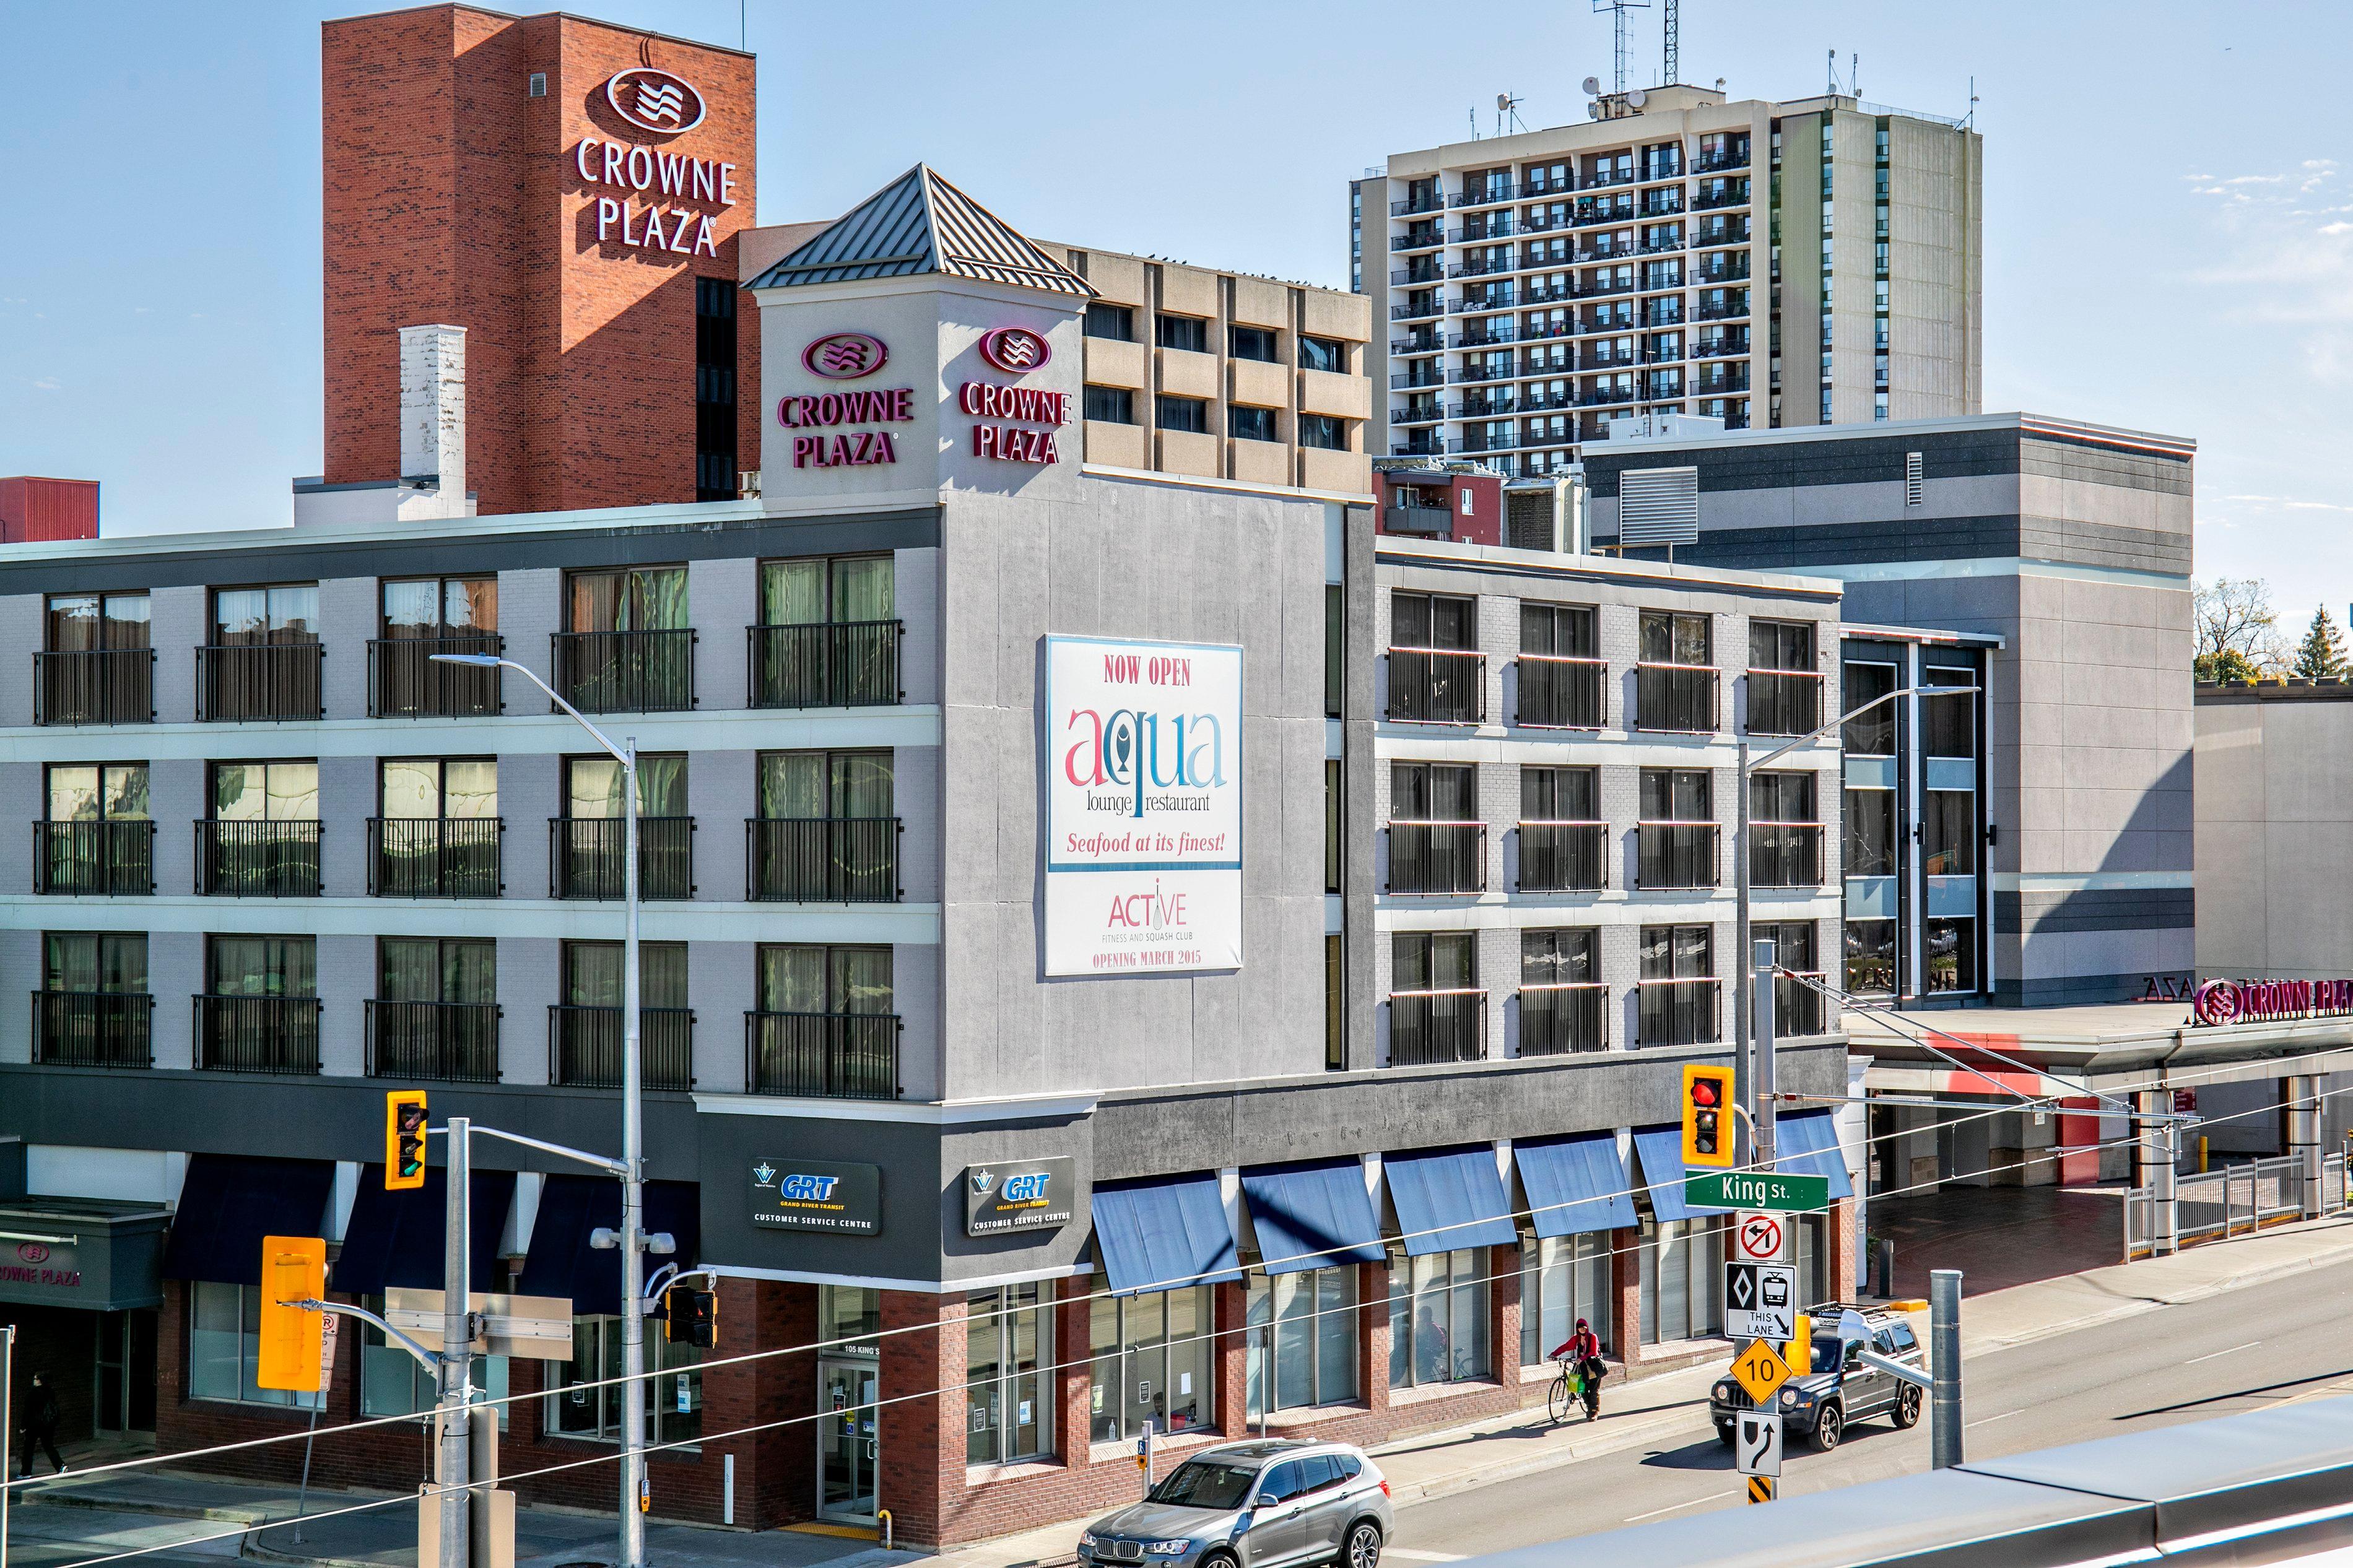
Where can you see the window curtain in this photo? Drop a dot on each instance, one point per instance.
(124, 789)
(592, 974)
(469, 788)
(861, 784)
(792, 783)
(265, 966)
(73, 795)
(294, 613)
(469, 606)
(594, 788)
(661, 786)
(85, 961)
(792, 979)
(412, 790)
(469, 970)
(861, 980)
(595, 601)
(791, 592)
(412, 969)
(656, 601)
(861, 589)
(411, 609)
(240, 616)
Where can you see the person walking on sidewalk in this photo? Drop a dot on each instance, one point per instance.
(40, 1428)
(1582, 1349)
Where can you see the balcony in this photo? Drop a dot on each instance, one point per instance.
(405, 681)
(1604, 397)
(1494, 191)
(1784, 702)
(1429, 202)
(453, 1042)
(1564, 857)
(1674, 855)
(1661, 204)
(1419, 344)
(1433, 522)
(1422, 271)
(1596, 218)
(1416, 414)
(584, 856)
(822, 860)
(1601, 179)
(1785, 854)
(1430, 1028)
(822, 1055)
(1734, 311)
(1796, 1009)
(1597, 291)
(1497, 226)
(1438, 686)
(1415, 312)
(1420, 376)
(95, 858)
(272, 681)
(1424, 241)
(1492, 301)
(1495, 332)
(1718, 163)
(1723, 267)
(583, 1046)
(93, 1028)
(624, 672)
(1485, 407)
(1481, 267)
(839, 664)
(1557, 692)
(97, 686)
(1675, 698)
(1713, 234)
(1425, 444)
(257, 859)
(257, 1034)
(1438, 858)
(1710, 202)
(435, 858)
(1677, 1011)
(1560, 1020)
(1719, 348)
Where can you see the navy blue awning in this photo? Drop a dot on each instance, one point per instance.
(562, 1263)
(1661, 1149)
(1313, 1214)
(230, 1202)
(396, 1238)
(1806, 1143)
(1450, 1198)
(1164, 1232)
(1575, 1184)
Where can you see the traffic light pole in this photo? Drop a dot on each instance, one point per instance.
(1761, 1100)
(633, 1237)
(457, 1351)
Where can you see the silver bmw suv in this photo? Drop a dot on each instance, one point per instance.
(1253, 1505)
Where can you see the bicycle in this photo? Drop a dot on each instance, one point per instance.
(1568, 1391)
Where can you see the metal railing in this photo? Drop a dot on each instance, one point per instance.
(1438, 686)
(1564, 857)
(257, 1034)
(1675, 854)
(435, 858)
(584, 856)
(266, 680)
(104, 858)
(836, 664)
(93, 1028)
(2236, 1200)
(1426, 519)
(624, 672)
(1561, 691)
(405, 682)
(457, 1042)
(1676, 1012)
(1426, 1027)
(1784, 702)
(1559, 1020)
(1785, 854)
(1678, 698)
(95, 686)
(1796, 1008)
(1438, 857)
(269, 859)
(583, 1046)
(822, 859)
(826, 1056)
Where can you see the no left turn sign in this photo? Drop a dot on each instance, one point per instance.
(1759, 1237)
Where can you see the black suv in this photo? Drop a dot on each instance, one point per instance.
(1840, 1388)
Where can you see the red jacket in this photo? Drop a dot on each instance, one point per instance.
(1579, 1347)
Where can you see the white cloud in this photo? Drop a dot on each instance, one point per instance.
(49, 383)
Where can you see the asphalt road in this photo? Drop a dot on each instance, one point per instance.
(2239, 1351)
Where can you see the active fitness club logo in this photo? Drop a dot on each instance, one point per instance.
(845, 356)
(1016, 351)
(2220, 1002)
(654, 99)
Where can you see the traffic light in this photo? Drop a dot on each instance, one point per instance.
(293, 1268)
(1708, 1116)
(691, 1317)
(403, 1140)
(1799, 1352)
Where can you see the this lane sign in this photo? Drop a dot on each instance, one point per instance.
(1756, 1443)
(1760, 1301)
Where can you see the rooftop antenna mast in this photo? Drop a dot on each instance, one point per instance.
(1618, 9)
(1507, 112)
(1674, 14)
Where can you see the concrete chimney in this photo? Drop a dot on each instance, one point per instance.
(433, 420)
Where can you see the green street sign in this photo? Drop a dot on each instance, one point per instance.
(1757, 1189)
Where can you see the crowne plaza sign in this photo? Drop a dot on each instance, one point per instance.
(659, 199)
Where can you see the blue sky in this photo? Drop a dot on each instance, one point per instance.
(2168, 197)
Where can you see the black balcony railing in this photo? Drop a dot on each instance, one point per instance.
(435, 858)
(583, 1046)
(1677, 1012)
(626, 672)
(1555, 1020)
(1784, 702)
(270, 680)
(457, 1042)
(823, 860)
(1438, 857)
(585, 857)
(1435, 522)
(95, 686)
(842, 664)
(1561, 693)
(114, 857)
(407, 681)
(1438, 686)
(1675, 854)
(828, 1055)
(93, 1028)
(257, 1034)
(1564, 857)
(1428, 1027)
(1674, 697)
(1785, 854)
(257, 859)
(1796, 1008)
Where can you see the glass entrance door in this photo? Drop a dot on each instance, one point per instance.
(848, 1441)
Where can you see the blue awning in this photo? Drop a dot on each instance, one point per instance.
(571, 1208)
(230, 1202)
(1313, 1214)
(1164, 1232)
(1575, 1184)
(1661, 1149)
(1806, 1143)
(396, 1238)
(1450, 1198)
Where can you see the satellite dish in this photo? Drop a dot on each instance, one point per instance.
(1636, 96)
(1503, 102)
(1593, 86)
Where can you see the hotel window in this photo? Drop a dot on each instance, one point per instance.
(1190, 333)
(1796, 1008)
(1679, 988)
(576, 1407)
(1152, 1360)
(1327, 432)
(1871, 833)
(1304, 1328)
(1252, 342)
(1682, 1265)
(1870, 957)
(1948, 837)
(1247, 423)
(1333, 848)
(91, 623)
(1111, 404)
(1116, 322)
(266, 792)
(1329, 355)
(1948, 724)
(809, 978)
(1562, 1278)
(257, 617)
(1335, 1005)
(1187, 413)
(95, 964)
(817, 591)
(224, 1345)
(1336, 667)
(636, 599)
(1009, 1374)
(1952, 952)
(1874, 733)
(1437, 1318)
(714, 389)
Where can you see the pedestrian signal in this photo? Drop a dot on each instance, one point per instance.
(691, 1317)
(1708, 1116)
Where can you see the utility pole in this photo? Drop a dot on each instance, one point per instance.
(456, 1359)
(1744, 1042)
(1945, 1356)
(634, 1500)
(1760, 1104)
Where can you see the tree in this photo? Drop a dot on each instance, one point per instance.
(2234, 614)
(2322, 655)
(2229, 665)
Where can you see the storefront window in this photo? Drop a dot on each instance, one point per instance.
(1305, 1325)
(846, 1316)
(1151, 1359)
(1008, 1349)
(585, 1403)
(1871, 958)
(1562, 1278)
(1437, 1318)
(392, 1384)
(1952, 955)
(224, 1345)
(1682, 1268)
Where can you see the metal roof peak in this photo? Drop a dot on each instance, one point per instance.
(920, 223)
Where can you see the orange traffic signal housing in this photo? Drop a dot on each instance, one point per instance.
(1708, 1116)
(403, 1140)
(293, 1268)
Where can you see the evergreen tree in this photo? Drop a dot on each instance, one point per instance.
(2321, 655)
(2227, 667)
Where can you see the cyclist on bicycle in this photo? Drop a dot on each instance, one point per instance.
(1582, 1350)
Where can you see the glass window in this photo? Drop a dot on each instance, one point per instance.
(266, 792)
(1563, 630)
(1327, 431)
(579, 1407)
(1187, 413)
(844, 786)
(592, 973)
(1562, 1278)
(809, 978)
(1151, 1359)
(1952, 951)
(1677, 1008)
(1188, 332)
(1334, 847)
(1566, 956)
(86, 623)
(425, 788)
(1336, 664)
(1433, 960)
(1560, 795)
(1681, 1270)
(438, 969)
(225, 1346)
(109, 962)
(1669, 638)
(1433, 791)
(1009, 1380)
(1871, 957)
(1873, 734)
(1433, 620)
(1112, 404)
(1676, 794)
(1252, 342)
(1303, 1325)
(1782, 645)
(1781, 797)
(817, 590)
(847, 1317)
(1247, 423)
(1116, 322)
(1948, 836)
(253, 617)
(1335, 1005)
(1948, 724)
(591, 786)
(1437, 1318)
(441, 607)
(392, 1384)
(1327, 355)
(634, 599)
(114, 792)
(262, 965)
(1871, 833)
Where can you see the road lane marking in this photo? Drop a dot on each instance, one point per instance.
(1639, 1518)
(1411, 1555)
(2003, 1416)
(2234, 1350)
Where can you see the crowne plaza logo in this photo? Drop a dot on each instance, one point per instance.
(654, 99)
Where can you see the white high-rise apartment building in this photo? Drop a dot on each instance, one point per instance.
(1768, 264)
